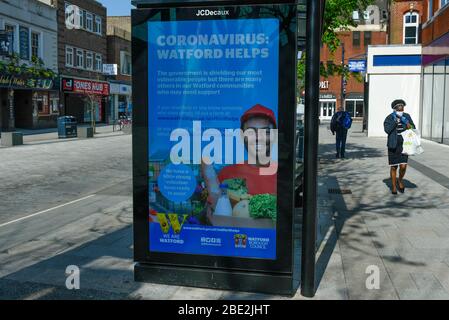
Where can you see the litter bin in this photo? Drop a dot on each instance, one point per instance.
(67, 127)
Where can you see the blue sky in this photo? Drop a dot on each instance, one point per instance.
(117, 7)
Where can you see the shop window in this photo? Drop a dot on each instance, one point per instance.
(355, 107)
(356, 38)
(446, 106)
(35, 45)
(69, 56)
(40, 101)
(438, 101)
(359, 106)
(427, 102)
(411, 26)
(350, 107)
(54, 102)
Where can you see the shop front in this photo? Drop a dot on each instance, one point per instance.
(85, 99)
(328, 105)
(355, 105)
(435, 101)
(28, 103)
(120, 101)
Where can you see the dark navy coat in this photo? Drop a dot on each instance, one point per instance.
(390, 127)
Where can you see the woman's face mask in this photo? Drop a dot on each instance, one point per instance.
(399, 113)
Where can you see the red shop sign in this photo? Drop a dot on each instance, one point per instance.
(85, 86)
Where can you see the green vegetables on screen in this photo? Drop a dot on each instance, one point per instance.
(263, 206)
(236, 185)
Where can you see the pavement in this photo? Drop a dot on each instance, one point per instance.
(70, 203)
(39, 136)
(406, 236)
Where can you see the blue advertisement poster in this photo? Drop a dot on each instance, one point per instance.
(213, 115)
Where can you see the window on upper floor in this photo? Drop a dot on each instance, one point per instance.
(89, 60)
(35, 45)
(98, 63)
(444, 3)
(79, 58)
(69, 56)
(367, 38)
(89, 22)
(411, 28)
(356, 38)
(430, 8)
(97, 25)
(12, 34)
(125, 63)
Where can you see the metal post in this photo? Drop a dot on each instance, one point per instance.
(311, 147)
(11, 111)
(343, 78)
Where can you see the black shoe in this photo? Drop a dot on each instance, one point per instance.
(338, 156)
(394, 192)
(401, 190)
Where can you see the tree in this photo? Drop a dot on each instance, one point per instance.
(337, 18)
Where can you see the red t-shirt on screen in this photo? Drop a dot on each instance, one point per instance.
(256, 183)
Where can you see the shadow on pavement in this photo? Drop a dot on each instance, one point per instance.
(345, 174)
(407, 184)
(106, 273)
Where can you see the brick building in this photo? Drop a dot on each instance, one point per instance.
(435, 85)
(119, 54)
(384, 23)
(405, 22)
(82, 50)
(350, 93)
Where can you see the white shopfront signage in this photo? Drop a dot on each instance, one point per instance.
(121, 89)
(110, 69)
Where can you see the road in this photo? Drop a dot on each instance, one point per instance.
(37, 177)
(58, 195)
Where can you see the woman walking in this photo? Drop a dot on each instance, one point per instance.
(395, 124)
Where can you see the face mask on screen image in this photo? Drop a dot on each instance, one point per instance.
(399, 113)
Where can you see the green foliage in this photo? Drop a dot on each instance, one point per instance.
(35, 70)
(337, 18)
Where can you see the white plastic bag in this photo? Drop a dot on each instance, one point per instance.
(412, 142)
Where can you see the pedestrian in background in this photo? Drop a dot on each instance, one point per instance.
(395, 124)
(340, 124)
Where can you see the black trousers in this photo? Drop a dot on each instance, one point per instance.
(342, 135)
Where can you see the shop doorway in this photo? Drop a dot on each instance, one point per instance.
(327, 109)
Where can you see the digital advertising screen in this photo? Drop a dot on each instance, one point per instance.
(213, 117)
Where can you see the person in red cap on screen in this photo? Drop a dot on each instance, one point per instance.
(260, 178)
